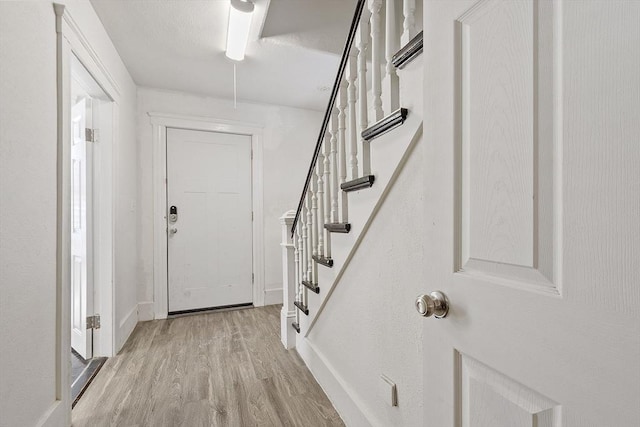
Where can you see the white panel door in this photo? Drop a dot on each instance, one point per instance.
(533, 205)
(210, 243)
(81, 279)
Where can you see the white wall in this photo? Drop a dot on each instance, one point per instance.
(28, 211)
(28, 144)
(288, 140)
(369, 326)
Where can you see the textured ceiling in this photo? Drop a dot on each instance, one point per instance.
(292, 54)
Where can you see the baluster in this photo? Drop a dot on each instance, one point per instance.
(304, 249)
(409, 22)
(362, 41)
(376, 80)
(334, 165)
(301, 262)
(353, 123)
(309, 237)
(342, 148)
(320, 195)
(392, 45)
(296, 257)
(313, 187)
(327, 195)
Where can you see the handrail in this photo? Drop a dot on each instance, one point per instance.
(327, 115)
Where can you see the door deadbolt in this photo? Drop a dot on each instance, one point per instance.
(173, 214)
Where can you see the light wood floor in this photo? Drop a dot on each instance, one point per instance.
(226, 368)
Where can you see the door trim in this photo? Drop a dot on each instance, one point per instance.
(74, 43)
(160, 122)
(70, 40)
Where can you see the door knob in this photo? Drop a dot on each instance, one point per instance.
(173, 230)
(436, 304)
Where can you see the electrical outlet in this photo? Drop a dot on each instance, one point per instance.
(388, 390)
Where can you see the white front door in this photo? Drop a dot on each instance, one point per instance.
(210, 238)
(533, 212)
(81, 226)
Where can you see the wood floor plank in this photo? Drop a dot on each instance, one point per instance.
(211, 369)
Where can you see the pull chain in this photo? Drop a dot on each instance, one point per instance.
(235, 88)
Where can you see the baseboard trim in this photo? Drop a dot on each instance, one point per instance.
(342, 397)
(58, 414)
(273, 296)
(145, 311)
(126, 326)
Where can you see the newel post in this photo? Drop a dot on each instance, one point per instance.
(289, 285)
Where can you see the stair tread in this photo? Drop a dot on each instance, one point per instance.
(296, 326)
(303, 308)
(408, 52)
(341, 227)
(385, 125)
(358, 183)
(313, 286)
(327, 262)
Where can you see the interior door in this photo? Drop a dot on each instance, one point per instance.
(210, 236)
(81, 277)
(533, 204)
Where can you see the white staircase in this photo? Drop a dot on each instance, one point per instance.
(372, 124)
(373, 120)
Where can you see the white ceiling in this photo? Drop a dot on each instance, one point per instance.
(292, 54)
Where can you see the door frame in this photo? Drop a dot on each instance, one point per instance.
(160, 122)
(70, 40)
(91, 156)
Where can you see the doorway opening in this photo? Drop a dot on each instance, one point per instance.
(90, 113)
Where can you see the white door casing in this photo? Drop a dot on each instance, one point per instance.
(533, 197)
(72, 42)
(160, 122)
(81, 226)
(99, 119)
(210, 243)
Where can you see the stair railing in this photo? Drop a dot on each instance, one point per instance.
(341, 160)
(332, 100)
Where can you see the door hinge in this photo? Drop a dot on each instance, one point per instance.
(91, 135)
(253, 277)
(93, 322)
(251, 215)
